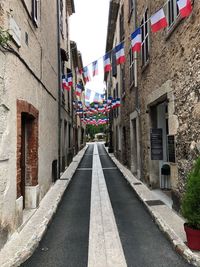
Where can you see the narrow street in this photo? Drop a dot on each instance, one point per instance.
(100, 222)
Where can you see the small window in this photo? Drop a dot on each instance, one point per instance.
(123, 81)
(131, 67)
(114, 65)
(131, 6)
(121, 26)
(145, 38)
(61, 18)
(117, 95)
(35, 10)
(172, 11)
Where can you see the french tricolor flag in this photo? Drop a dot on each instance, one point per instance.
(158, 21)
(185, 7)
(69, 79)
(65, 83)
(86, 74)
(79, 89)
(88, 94)
(95, 68)
(106, 62)
(136, 40)
(120, 55)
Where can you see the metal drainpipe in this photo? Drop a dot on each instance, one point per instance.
(59, 87)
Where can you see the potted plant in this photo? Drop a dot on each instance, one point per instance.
(190, 207)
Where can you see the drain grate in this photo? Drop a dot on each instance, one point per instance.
(154, 202)
(137, 183)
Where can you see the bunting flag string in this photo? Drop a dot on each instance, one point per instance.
(158, 21)
(90, 112)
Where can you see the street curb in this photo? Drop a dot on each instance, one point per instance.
(22, 244)
(178, 244)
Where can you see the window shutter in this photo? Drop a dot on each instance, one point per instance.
(114, 65)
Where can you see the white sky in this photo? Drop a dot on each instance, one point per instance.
(88, 28)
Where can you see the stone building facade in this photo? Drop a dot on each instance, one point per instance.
(163, 101)
(30, 87)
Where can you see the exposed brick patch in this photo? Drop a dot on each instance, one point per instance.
(26, 109)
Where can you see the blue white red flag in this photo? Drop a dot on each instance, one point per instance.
(79, 89)
(185, 7)
(65, 85)
(158, 21)
(109, 100)
(95, 68)
(69, 79)
(86, 74)
(136, 40)
(96, 97)
(88, 94)
(106, 62)
(120, 54)
(118, 102)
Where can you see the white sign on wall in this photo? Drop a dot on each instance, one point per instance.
(15, 31)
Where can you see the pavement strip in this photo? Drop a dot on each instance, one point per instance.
(105, 248)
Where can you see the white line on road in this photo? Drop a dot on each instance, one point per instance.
(105, 249)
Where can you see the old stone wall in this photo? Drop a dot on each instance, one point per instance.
(174, 58)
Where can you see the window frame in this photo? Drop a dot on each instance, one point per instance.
(122, 81)
(172, 13)
(131, 7)
(145, 38)
(35, 11)
(121, 25)
(131, 68)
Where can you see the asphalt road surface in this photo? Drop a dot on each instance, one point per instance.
(65, 243)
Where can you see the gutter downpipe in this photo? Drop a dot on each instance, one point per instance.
(59, 87)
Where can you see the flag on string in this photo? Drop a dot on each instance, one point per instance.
(118, 102)
(69, 79)
(86, 74)
(136, 40)
(79, 89)
(158, 21)
(185, 7)
(106, 62)
(120, 54)
(88, 94)
(96, 105)
(96, 97)
(102, 97)
(79, 71)
(80, 104)
(87, 104)
(109, 100)
(113, 103)
(95, 68)
(65, 83)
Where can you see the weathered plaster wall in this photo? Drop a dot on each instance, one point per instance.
(17, 82)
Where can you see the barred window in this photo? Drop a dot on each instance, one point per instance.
(121, 26)
(172, 11)
(131, 67)
(145, 38)
(131, 6)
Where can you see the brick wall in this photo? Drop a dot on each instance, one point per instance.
(26, 108)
